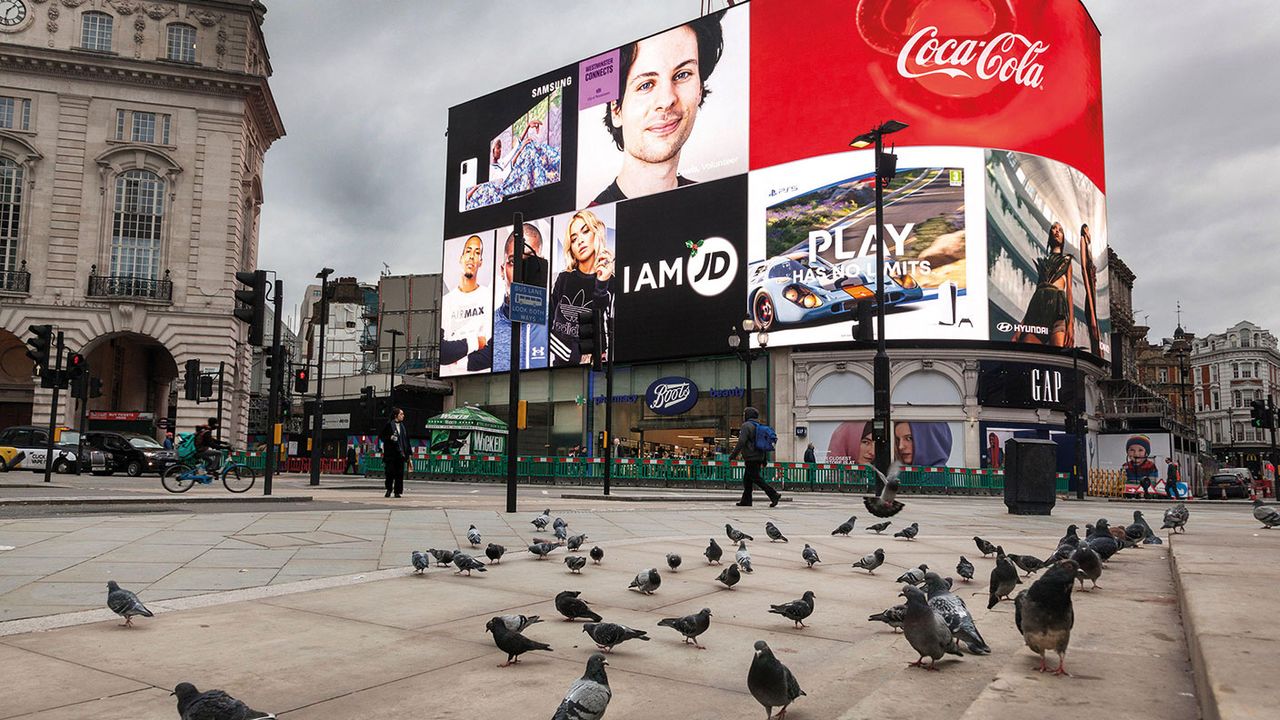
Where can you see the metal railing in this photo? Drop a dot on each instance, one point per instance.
(129, 287)
(16, 281)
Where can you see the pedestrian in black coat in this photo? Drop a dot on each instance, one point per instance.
(395, 452)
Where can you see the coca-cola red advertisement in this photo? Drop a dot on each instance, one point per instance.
(1021, 75)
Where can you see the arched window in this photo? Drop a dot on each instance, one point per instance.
(95, 31)
(10, 213)
(182, 43)
(137, 224)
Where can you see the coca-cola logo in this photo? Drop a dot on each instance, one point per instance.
(671, 395)
(1007, 57)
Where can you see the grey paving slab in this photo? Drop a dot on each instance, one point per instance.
(214, 579)
(143, 703)
(255, 558)
(349, 551)
(122, 572)
(30, 676)
(274, 540)
(66, 594)
(17, 565)
(112, 531)
(172, 536)
(62, 547)
(149, 551)
(327, 567)
(19, 538)
(9, 582)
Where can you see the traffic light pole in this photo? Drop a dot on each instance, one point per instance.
(608, 400)
(1271, 423)
(317, 424)
(53, 413)
(273, 392)
(513, 380)
(222, 368)
(85, 384)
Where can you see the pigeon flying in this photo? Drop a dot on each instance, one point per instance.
(810, 555)
(571, 607)
(606, 635)
(925, 628)
(213, 705)
(575, 562)
(730, 576)
(735, 534)
(125, 603)
(964, 568)
(845, 527)
(690, 626)
(880, 526)
(770, 682)
(420, 561)
(510, 642)
(597, 554)
(713, 552)
(908, 532)
(871, 562)
(1044, 615)
(589, 695)
(886, 505)
(796, 610)
(774, 533)
(646, 581)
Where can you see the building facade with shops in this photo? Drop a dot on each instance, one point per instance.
(1231, 370)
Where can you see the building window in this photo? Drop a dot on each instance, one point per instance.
(1235, 399)
(1215, 400)
(1246, 372)
(1164, 375)
(143, 127)
(15, 113)
(135, 235)
(10, 212)
(1235, 371)
(182, 43)
(95, 32)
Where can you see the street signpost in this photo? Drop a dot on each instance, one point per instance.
(528, 304)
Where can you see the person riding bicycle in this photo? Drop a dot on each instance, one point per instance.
(208, 446)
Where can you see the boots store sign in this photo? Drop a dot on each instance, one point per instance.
(671, 395)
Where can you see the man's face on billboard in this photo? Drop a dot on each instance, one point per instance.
(1136, 453)
(660, 102)
(532, 246)
(472, 257)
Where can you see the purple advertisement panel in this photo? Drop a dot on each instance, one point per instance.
(598, 80)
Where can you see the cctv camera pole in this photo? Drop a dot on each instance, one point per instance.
(273, 392)
(53, 411)
(513, 380)
(880, 371)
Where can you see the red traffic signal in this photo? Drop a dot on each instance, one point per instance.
(301, 378)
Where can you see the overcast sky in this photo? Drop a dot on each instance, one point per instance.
(1189, 101)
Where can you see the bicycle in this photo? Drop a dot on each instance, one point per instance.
(236, 477)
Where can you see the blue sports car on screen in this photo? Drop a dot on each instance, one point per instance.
(794, 290)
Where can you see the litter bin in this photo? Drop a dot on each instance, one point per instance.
(1030, 476)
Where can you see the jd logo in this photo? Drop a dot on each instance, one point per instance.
(710, 270)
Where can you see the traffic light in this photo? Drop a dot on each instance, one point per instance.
(591, 337)
(301, 378)
(40, 342)
(206, 386)
(77, 366)
(95, 387)
(1258, 413)
(191, 380)
(252, 308)
(368, 397)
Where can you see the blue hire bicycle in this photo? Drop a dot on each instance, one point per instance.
(236, 477)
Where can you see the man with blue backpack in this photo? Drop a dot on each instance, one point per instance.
(755, 441)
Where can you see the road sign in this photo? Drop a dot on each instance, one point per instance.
(528, 304)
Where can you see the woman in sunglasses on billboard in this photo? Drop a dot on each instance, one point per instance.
(584, 285)
(1048, 317)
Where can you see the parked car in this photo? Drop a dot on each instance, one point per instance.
(131, 453)
(32, 442)
(1225, 483)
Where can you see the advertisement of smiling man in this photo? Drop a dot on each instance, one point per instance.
(665, 112)
(466, 308)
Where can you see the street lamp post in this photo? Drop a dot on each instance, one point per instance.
(317, 419)
(740, 344)
(885, 169)
(391, 382)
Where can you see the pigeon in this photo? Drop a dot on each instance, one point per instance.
(575, 562)
(845, 527)
(646, 581)
(1148, 536)
(1268, 516)
(673, 561)
(494, 552)
(796, 610)
(1090, 565)
(770, 682)
(1044, 615)
(510, 642)
(810, 555)
(774, 533)
(597, 554)
(535, 540)
(1004, 576)
(443, 557)
(891, 617)
(965, 569)
(1104, 545)
(880, 527)
(559, 523)
(886, 505)
(561, 532)
(466, 563)
(606, 635)
(575, 541)
(735, 534)
(589, 695)
(730, 576)
(125, 604)
(473, 536)
(1027, 563)
(541, 521)
(713, 552)
(925, 628)
(1071, 538)
(871, 562)
(541, 549)
(955, 613)
(909, 532)
(1062, 553)
(1176, 517)
(984, 547)
(517, 623)
(743, 557)
(690, 626)
(420, 561)
(914, 576)
(213, 705)
(572, 608)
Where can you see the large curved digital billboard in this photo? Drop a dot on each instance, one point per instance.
(693, 177)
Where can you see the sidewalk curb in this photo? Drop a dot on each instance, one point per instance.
(161, 500)
(657, 498)
(1199, 668)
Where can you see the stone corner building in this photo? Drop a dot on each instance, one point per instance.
(132, 137)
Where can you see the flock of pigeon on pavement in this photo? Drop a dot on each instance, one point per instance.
(934, 620)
